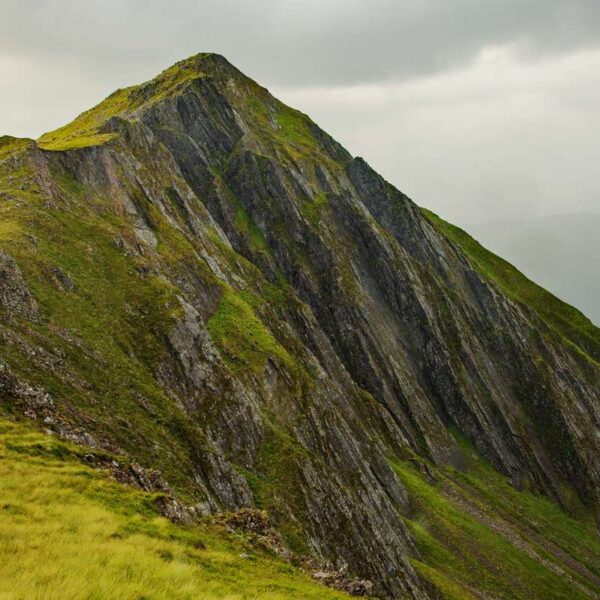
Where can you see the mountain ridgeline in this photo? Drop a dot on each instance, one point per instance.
(197, 277)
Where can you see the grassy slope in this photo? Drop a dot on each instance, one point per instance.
(109, 329)
(458, 549)
(86, 129)
(478, 534)
(67, 531)
(118, 313)
(565, 320)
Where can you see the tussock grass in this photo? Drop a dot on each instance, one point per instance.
(68, 532)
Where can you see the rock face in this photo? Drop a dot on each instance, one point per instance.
(14, 293)
(313, 321)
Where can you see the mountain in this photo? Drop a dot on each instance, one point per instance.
(197, 278)
(561, 252)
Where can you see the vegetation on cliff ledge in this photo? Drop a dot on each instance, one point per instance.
(478, 534)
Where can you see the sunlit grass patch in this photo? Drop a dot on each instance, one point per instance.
(68, 532)
(245, 342)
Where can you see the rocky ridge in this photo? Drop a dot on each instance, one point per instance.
(216, 288)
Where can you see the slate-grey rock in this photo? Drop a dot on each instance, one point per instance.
(393, 336)
(15, 297)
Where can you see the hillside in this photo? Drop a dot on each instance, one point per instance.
(560, 316)
(560, 252)
(197, 277)
(67, 531)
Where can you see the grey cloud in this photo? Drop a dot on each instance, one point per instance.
(287, 42)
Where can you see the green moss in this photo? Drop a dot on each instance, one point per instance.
(565, 320)
(244, 341)
(67, 531)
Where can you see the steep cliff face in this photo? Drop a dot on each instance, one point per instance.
(213, 285)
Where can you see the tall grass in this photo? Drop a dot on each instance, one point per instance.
(69, 532)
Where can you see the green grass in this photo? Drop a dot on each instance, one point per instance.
(69, 532)
(106, 336)
(110, 330)
(120, 311)
(296, 128)
(86, 129)
(565, 320)
(276, 485)
(472, 530)
(12, 145)
(289, 131)
(575, 533)
(448, 589)
(244, 341)
(314, 209)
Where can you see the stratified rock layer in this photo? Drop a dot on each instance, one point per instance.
(322, 323)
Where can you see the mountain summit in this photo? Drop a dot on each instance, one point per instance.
(197, 277)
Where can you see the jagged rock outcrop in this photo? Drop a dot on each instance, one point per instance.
(14, 293)
(317, 323)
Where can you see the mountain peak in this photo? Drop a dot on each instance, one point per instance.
(203, 59)
(218, 85)
(89, 128)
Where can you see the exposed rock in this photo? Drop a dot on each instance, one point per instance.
(249, 520)
(61, 279)
(353, 331)
(32, 401)
(14, 293)
(340, 581)
(258, 525)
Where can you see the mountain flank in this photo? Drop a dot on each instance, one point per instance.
(198, 278)
(560, 252)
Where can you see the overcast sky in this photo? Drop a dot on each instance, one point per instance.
(478, 109)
